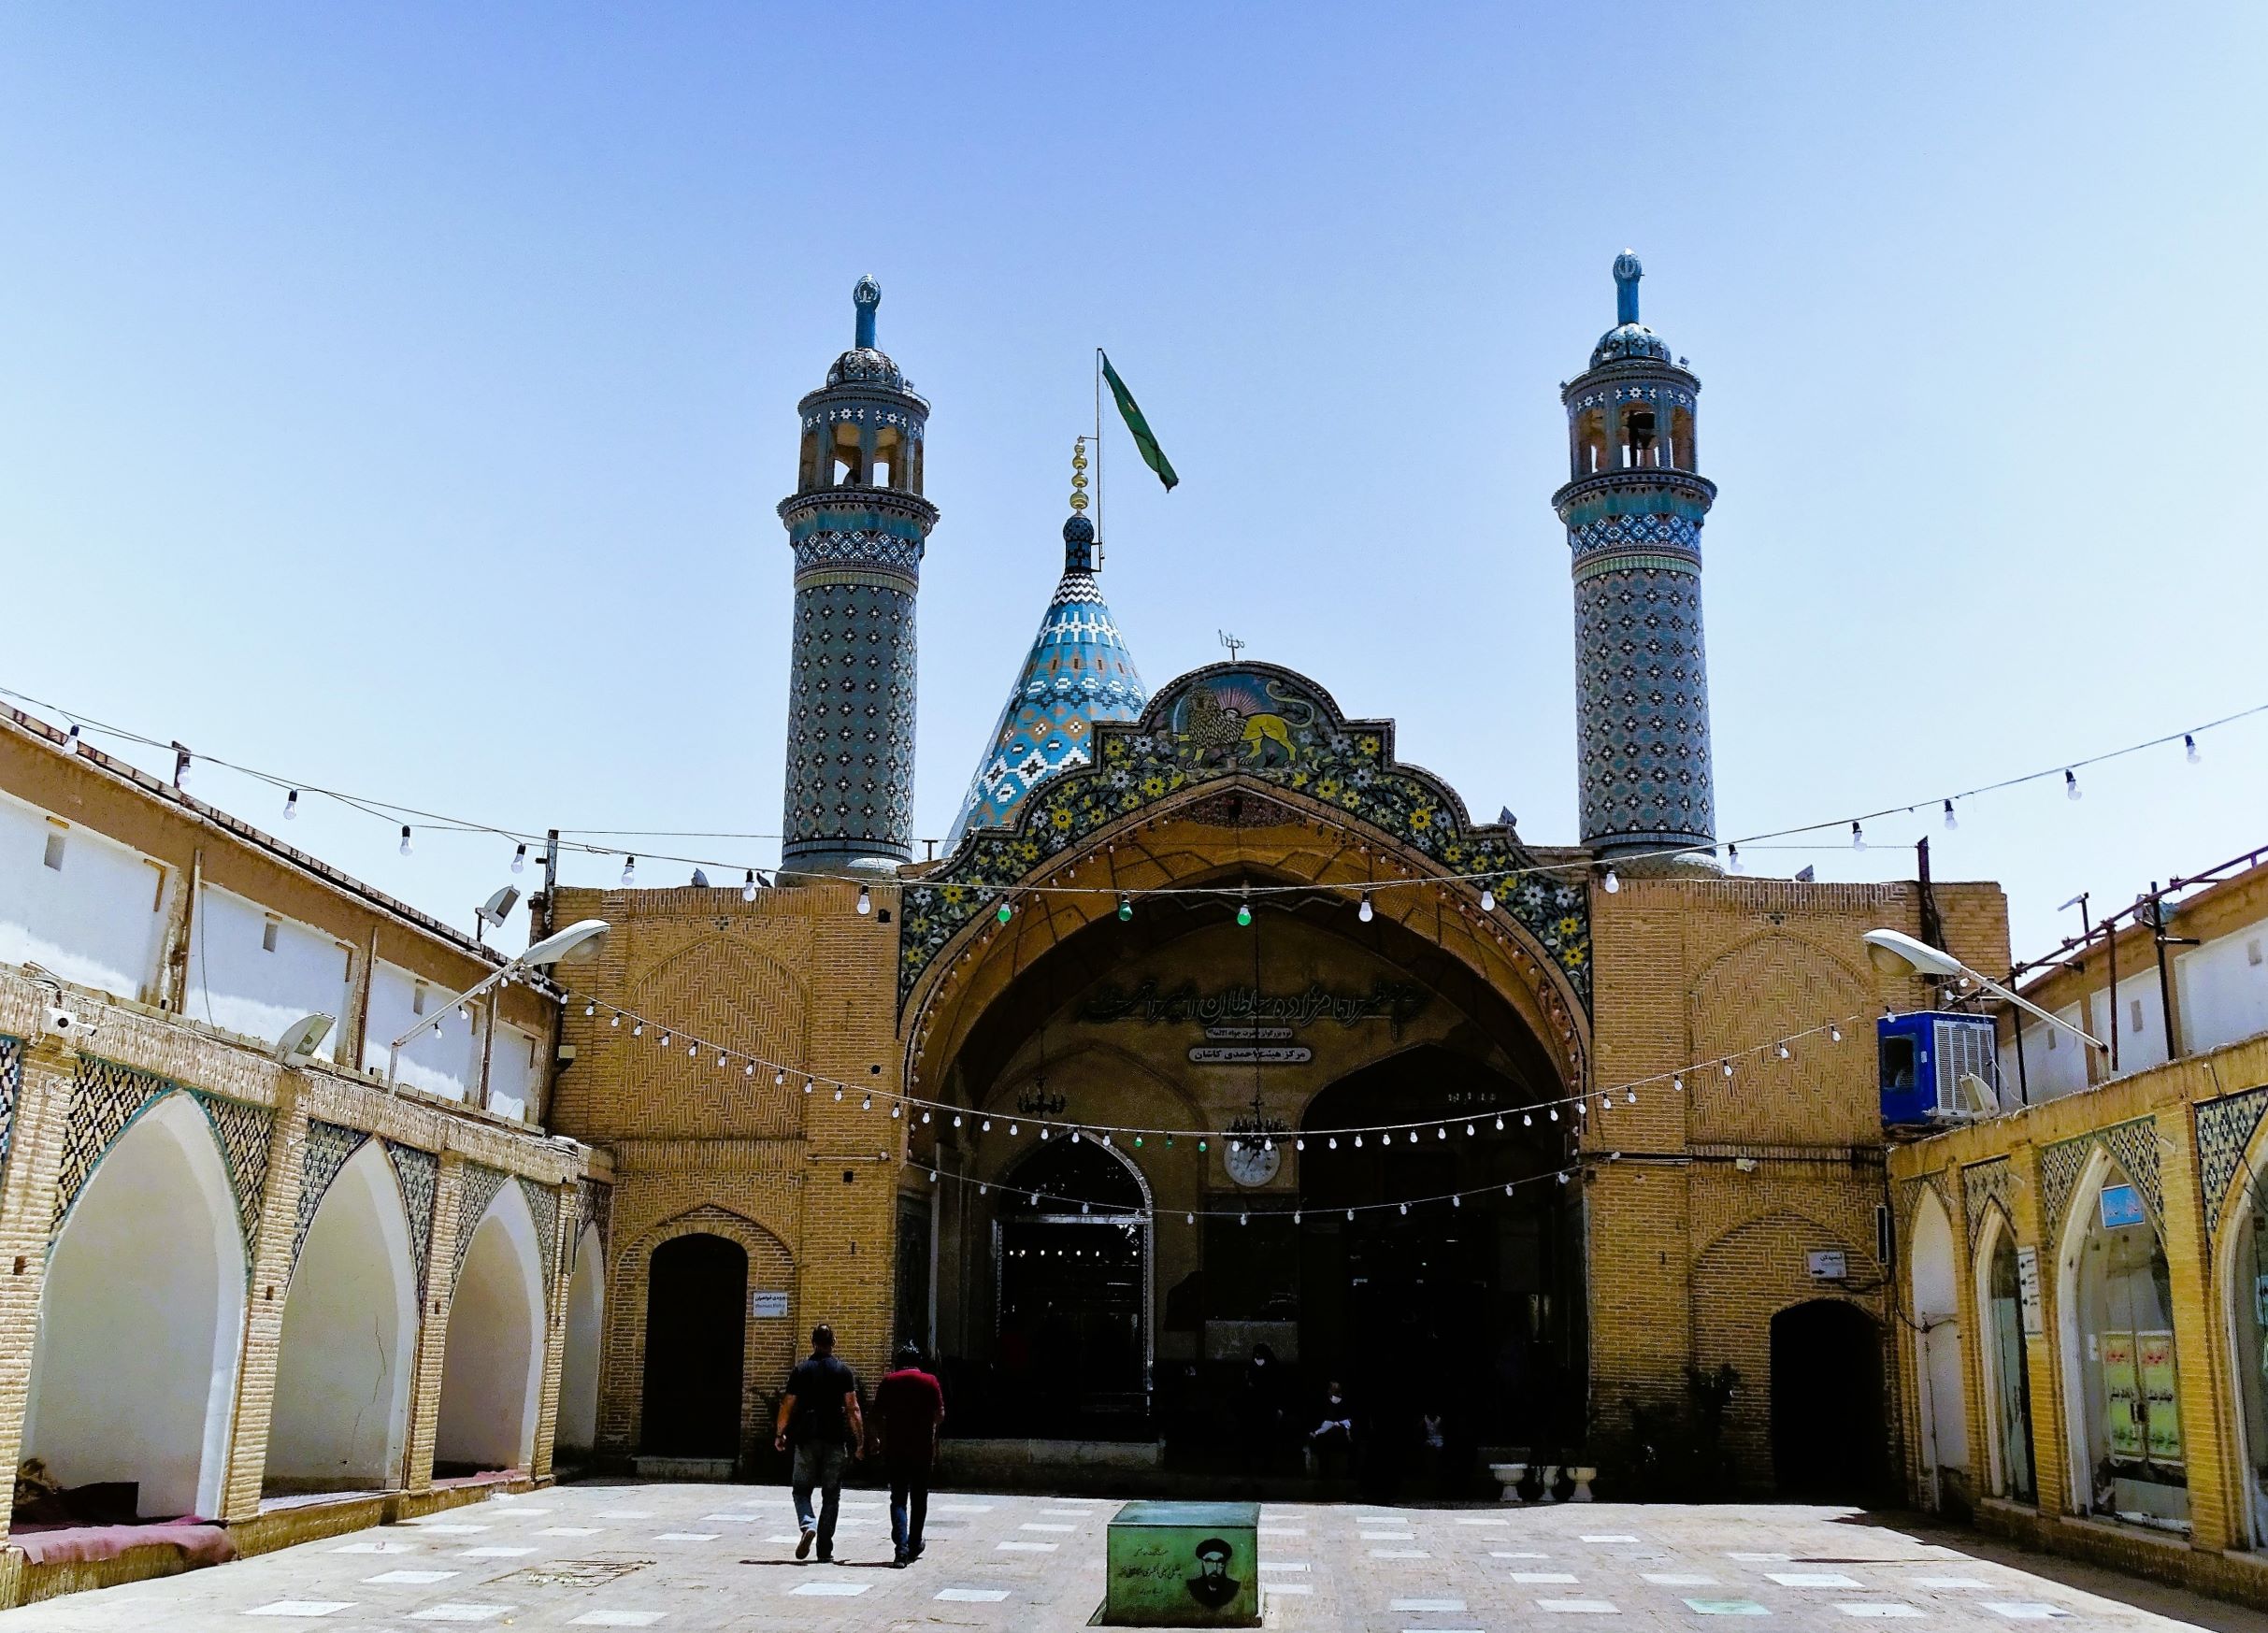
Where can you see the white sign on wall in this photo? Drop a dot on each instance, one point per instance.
(768, 1306)
(2027, 1290)
(1826, 1264)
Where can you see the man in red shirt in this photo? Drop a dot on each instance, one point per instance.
(908, 1408)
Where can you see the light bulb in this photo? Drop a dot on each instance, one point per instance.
(1440, 1134)
(694, 1049)
(748, 1070)
(896, 1111)
(933, 1176)
(924, 1116)
(589, 1009)
(1363, 912)
(1042, 1131)
(1583, 1107)
(1732, 858)
(1629, 1097)
(1952, 822)
(1555, 1113)
(1563, 1177)
(1488, 899)
(748, 890)
(1499, 1122)
(1612, 884)
(1727, 1066)
(722, 1063)
(1508, 1189)
(867, 1104)
(1188, 1219)
(1527, 1119)
(520, 859)
(956, 1119)
(667, 1039)
(1358, 1143)
(985, 1127)
(1834, 1034)
(1244, 1218)
(1244, 914)
(1333, 1142)
(1299, 1144)
(1857, 838)
(1126, 908)
(404, 839)
(1405, 1208)
(2189, 748)
(2071, 785)
(615, 1020)
(838, 1092)
(1678, 1084)
(629, 871)
(1350, 1216)
(638, 1030)
(865, 900)
(1783, 1052)
(1014, 1129)
(1008, 912)
(1456, 1201)
(1295, 1216)
(1074, 1137)
(1467, 1130)
(1412, 1136)
(291, 800)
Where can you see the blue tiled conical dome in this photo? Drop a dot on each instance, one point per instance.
(1079, 672)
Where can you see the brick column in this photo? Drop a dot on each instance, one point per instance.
(2042, 1349)
(433, 1324)
(2217, 1511)
(27, 1208)
(265, 1295)
(554, 1334)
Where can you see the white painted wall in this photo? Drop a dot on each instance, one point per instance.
(577, 1421)
(236, 981)
(447, 1063)
(98, 921)
(2055, 1063)
(2140, 1019)
(2222, 988)
(491, 1366)
(133, 1369)
(350, 1335)
(1935, 1309)
(513, 1074)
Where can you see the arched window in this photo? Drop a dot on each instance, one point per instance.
(2121, 1368)
(887, 469)
(577, 1426)
(1641, 435)
(1935, 1313)
(849, 467)
(1590, 442)
(2248, 1327)
(1681, 438)
(2007, 1373)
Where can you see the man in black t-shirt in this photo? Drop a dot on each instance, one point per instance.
(819, 1418)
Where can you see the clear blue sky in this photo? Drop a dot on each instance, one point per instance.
(397, 396)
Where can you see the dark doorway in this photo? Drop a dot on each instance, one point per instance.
(1485, 1288)
(1071, 1351)
(1826, 1428)
(696, 1314)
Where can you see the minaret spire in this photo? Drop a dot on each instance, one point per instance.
(1633, 508)
(860, 527)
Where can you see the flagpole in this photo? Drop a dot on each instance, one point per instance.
(1099, 456)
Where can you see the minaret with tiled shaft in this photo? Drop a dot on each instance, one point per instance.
(1633, 509)
(858, 525)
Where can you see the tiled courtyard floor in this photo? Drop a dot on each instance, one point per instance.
(683, 1558)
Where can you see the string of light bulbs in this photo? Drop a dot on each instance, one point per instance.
(1243, 1215)
(922, 1111)
(394, 812)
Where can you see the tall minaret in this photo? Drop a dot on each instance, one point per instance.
(858, 524)
(1634, 510)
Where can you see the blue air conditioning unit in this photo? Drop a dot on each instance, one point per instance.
(1937, 1067)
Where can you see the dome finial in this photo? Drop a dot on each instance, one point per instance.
(1627, 274)
(1079, 532)
(866, 297)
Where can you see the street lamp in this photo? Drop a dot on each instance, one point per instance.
(579, 940)
(1894, 953)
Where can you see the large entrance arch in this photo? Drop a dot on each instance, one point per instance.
(1070, 1253)
(134, 1367)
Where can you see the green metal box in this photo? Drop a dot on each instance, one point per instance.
(1183, 1564)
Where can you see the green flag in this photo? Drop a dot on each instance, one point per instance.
(1152, 455)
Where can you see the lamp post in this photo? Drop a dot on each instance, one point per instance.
(1894, 953)
(581, 940)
